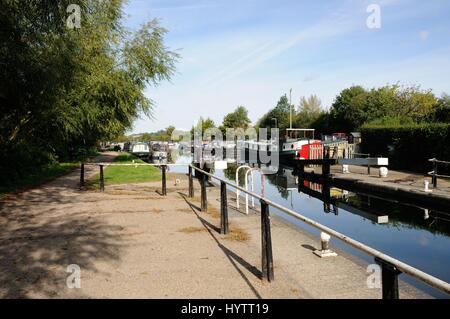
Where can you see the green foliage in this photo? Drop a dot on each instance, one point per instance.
(342, 104)
(161, 135)
(63, 90)
(442, 112)
(356, 106)
(391, 121)
(408, 147)
(202, 126)
(280, 112)
(310, 110)
(41, 175)
(237, 119)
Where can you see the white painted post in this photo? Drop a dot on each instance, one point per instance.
(426, 214)
(426, 189)
(325, 246)
(383, 171)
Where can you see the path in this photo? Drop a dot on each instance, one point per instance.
(130, 242)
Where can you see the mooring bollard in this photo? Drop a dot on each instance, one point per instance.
(345, 169)
(191, 183)
(325, 249)
(426, 188)
(102, 179)
(164, 183)
(389, 279)
(223, 208)
(204, 200)
(82, 175)
(266, 243)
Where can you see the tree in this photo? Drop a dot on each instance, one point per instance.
(202, 126)
(355, 106)
(278, 116)
(441, 112)
(341, 106)
(63, 89)
(309, 111)
(237, 119)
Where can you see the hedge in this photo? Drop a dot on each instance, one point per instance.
(408, 147)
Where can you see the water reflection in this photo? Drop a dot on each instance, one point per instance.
(419, 236)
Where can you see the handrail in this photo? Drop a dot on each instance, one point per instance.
(431, 173)
(403, 267)
(388, 263)
(434, 173)
(438, 161)
(135, 164)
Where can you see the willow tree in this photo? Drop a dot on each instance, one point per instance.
(65, 88)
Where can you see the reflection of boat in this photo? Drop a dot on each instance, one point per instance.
(287, 179)
(140, 150)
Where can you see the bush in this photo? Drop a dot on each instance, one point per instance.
(409, 147)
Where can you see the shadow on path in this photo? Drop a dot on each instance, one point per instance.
(232, 257)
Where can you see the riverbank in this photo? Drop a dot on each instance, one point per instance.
(131, 242)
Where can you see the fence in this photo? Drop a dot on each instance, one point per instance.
(434, 173)
(391, 267)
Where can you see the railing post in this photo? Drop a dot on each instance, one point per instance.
(368, 165)
(164, 184)
(434, 177)
(389, 279)
(204, 200)
(223, 208)
(102, 179)
(82, 175)
(266, 243)
(191, 183)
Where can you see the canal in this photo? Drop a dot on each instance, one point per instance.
(415, 235)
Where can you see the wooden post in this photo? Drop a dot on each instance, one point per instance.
(191, 183)
(368, 165)
(102, 179)
(389, 279)
(204, 200)
(266, 243)
(223, 208)
(164, 184)
(82, 175)
(434, 177)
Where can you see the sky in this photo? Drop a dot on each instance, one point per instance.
(251, 52)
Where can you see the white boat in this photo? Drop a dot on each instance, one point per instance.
(140, 150)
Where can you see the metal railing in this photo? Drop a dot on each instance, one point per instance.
(391, 267)
(102, 175)
(434, 173)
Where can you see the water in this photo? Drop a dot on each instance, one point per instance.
(413, 235)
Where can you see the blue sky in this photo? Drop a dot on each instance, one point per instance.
(250, 52)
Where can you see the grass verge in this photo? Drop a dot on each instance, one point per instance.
(126, 174)
(39, 177)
